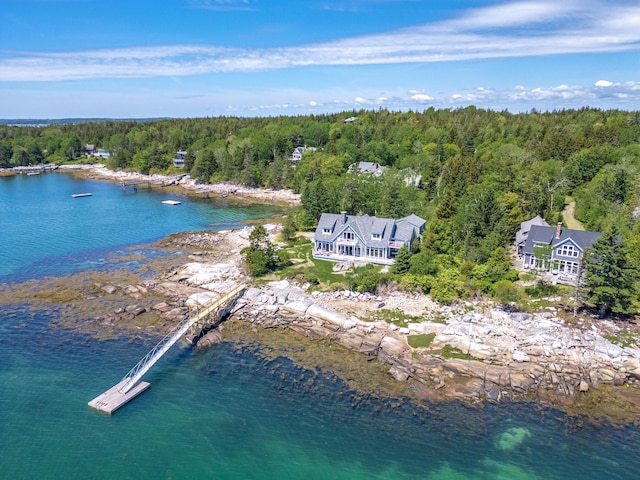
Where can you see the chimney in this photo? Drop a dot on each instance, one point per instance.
(343, 216)
(558, 229)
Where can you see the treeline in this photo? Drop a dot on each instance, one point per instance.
(473, 174)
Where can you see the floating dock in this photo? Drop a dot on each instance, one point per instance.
(78, 195)
(131, 385)
(112, 399)
(171, 202)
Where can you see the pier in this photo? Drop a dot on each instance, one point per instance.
(162, 182)
(199, 321)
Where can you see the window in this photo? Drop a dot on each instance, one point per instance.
(375, 252)
(326, 231)
(376, 236)
(567, 250)
(348, 236)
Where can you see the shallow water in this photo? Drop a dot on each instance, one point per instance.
(227, 412)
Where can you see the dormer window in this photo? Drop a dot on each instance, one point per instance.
(376, 236)
(326, 231)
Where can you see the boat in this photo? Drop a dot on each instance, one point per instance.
(33, 173)
(78, 195)
(171, 202)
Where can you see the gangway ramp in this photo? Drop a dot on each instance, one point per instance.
(131, 385)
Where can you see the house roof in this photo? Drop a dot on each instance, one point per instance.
(367, 167)
(365, 226)
(525, 227)
(547, 235)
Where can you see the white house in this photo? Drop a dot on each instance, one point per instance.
(178, 162)
(296, 155)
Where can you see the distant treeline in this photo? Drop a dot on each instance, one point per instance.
(473, 174)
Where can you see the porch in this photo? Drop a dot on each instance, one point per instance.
(356, 259)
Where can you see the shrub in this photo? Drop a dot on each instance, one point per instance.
(506, 292)
(414, 283)
(542, 289)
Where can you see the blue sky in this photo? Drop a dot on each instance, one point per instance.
(195, 58)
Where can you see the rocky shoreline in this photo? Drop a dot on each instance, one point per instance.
(222, 189)
(504, 355)
(511, 353)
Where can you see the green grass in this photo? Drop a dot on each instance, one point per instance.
(421, 341)
(624, 339)
(394, 317)
(319, 272)
(452, 352)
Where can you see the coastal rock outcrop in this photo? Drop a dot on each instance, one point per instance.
(501, 353)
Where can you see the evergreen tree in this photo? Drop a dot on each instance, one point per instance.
(610, 277)
(403, 262)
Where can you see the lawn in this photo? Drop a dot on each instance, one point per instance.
(306, 268)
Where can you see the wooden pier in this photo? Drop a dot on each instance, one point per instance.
(199, 320)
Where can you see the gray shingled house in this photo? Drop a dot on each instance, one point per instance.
(342, 237)
(566, 255)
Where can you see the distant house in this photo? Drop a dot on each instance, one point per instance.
(367, 167)
(350, 119)
(296, 156)
(89, 149)
(178, 162)
(342, 237)
(410, 177)
(523, 233)
(568, 248)
(101, 153)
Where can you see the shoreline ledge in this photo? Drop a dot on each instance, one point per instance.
(222, 189)
(509, 355)
(514, 355)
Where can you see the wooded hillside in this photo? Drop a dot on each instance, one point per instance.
(473, 174)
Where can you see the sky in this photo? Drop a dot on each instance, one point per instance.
(206, 58)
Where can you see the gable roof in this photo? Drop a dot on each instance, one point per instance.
(547, 235)
(368, 167)
(365, 226)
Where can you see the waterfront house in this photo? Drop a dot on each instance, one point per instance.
(567, 251)
(365, 239)
(102, 153)
(89, 149)
(178, 162)
(296, 155)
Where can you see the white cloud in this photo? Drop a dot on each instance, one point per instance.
(421, 97)
(603, 83)
(515, 14)
(514, 29)
(74, 103)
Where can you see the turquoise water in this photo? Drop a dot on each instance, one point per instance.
(45, 231)
(226, 413)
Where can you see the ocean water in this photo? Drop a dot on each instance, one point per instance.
(227, 412)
